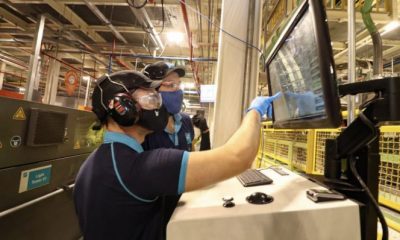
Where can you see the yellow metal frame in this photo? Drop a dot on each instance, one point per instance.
(315, 146)
(389, 176)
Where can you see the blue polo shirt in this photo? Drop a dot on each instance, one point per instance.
(180, 139)
(123, 192)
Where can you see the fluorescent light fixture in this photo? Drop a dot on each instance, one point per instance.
(175, 37)
(391, 26)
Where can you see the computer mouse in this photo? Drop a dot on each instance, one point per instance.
(259, 198)
(228, 204)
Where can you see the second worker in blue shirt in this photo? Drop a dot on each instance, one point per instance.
(179, 132)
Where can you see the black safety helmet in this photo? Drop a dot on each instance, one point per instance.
(159, 70)
(115, 89)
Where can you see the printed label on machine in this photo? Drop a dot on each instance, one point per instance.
(34, 178)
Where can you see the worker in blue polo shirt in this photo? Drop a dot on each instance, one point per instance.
(120, 189)
(179, 132)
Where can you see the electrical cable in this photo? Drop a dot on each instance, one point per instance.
(163, 16)
(131, 3)
(224, 31)
(382, 220)
(364, 186)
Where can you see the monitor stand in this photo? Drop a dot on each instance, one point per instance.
(357, 147)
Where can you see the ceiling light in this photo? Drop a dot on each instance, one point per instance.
(391, 26)
(175, 37)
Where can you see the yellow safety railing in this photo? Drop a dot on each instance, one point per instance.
(304, 150)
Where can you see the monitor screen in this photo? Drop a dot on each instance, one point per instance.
(301, 67)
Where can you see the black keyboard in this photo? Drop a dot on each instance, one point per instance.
(253, 177)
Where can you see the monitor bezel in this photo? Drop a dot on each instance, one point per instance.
(333, 117)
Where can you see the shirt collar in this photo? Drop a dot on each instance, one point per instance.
(110, 137)
(178, 123)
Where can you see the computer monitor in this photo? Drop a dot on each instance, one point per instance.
(301, 67)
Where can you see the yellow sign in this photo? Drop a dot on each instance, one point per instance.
(1, 145)
(19, 114)
(77, 145)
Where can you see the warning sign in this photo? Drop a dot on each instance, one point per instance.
(19, 114)
(77, 145)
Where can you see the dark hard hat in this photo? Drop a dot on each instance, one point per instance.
(107, 86)
(160, 70)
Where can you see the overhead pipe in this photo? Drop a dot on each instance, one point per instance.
(145, 21)
(16, 63)
(375, 36)
(67, 64)
(163, 57)
(189, 36)
(112, 57)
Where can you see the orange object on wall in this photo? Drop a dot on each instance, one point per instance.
(10, 94)
(71, 82)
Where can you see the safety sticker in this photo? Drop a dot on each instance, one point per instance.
(34, 178)
(19, 114)
(15, 141)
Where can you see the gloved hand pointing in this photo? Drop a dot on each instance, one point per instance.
(263, 104)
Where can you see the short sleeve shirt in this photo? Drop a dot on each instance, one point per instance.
(180, 139)
(121, 191)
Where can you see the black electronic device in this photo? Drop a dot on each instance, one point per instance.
(301, 67)
(228, 202)
(46, 127)
(253, 177)
(323, 195)
(259, 198)
(352, 159)
(279, 170)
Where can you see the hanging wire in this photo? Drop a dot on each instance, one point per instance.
(223, 30)
(131, 3)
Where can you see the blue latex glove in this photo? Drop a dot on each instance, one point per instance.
(263, 104)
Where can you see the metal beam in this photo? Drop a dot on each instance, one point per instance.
(34, 62)
(144, 19)
(105, 20)
(99, 2)
(360, 42)
(338, 45)
(67, 13)
(11, 18)
(102, 28)
(391, 52)
(341, 16)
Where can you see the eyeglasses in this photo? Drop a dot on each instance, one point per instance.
(148, 99)
(171, 82)
(171, 85)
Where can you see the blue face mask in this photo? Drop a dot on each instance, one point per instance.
(172, 101)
